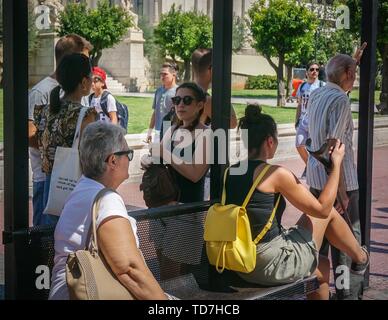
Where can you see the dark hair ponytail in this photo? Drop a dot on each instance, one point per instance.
(199, 95)
(55, 100)
(260, 126)
(72, 69)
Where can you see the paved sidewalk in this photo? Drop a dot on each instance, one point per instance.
(379, 235)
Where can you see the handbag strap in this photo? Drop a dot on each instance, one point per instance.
(91, 239)
(77, 133)
(269, 223)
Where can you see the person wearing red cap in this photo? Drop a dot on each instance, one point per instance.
(106, 112)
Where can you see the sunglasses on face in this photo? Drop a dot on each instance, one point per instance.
(313, 69)
(187, 100)
(128, 153)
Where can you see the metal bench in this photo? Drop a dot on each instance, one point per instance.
(171, 239)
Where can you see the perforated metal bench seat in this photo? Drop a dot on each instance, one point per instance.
(171, 240)
(185, 287)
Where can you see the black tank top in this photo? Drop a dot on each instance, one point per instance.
(190, 191)
(261, 204)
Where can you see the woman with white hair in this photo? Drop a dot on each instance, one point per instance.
(104, 157)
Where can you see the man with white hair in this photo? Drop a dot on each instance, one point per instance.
(330, 116)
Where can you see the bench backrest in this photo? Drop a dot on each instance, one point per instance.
(171, 240)
(172, 246)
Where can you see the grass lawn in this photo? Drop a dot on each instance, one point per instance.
(140, 113)
(355, 94)
(255, 93)
(140, 110)
(272, 94)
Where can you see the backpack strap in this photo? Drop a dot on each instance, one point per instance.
(104, 102)
(301, 86)
(259, 178)
(255, 184)
(223, 198)
(269, 223)
(91, 96)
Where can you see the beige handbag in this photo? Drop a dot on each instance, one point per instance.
(88, 275)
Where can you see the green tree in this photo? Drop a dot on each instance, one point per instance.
(239, 36)
(328, 41)
(382, 41)
(278, 30)
(180, 33)
(104, 26)
(33, 33)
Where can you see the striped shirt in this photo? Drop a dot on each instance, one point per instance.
(330, 116)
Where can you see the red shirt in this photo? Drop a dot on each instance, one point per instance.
(295, 84)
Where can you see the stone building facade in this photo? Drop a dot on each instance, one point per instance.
(125, 62)
(153, 9)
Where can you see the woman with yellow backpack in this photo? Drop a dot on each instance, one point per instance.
(281, 255)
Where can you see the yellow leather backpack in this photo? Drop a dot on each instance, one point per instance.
(227, 233)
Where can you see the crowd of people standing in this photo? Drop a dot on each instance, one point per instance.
(76, 95)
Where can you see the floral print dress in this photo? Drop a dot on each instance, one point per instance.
(56, 130)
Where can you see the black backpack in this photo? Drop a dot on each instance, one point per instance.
(122, 109)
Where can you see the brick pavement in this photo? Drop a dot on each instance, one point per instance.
(379, 235)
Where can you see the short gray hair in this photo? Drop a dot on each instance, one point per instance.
(337, 66)
(98, 141)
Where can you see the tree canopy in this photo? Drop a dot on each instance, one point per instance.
(180, 33)
(355, 11)
(280, 30)
(104, 26)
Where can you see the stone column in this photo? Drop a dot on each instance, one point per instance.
(42, 61)
(237, 7)
(210, 8)
(156, 12)
(125, 61)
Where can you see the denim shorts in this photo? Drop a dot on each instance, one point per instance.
(290, 256)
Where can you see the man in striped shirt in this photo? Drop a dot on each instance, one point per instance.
(330, 117)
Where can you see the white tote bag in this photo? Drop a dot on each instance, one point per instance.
(66, 172)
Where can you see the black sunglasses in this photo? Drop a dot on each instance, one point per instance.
(128, 153)
(187, 100)
(313, 69)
